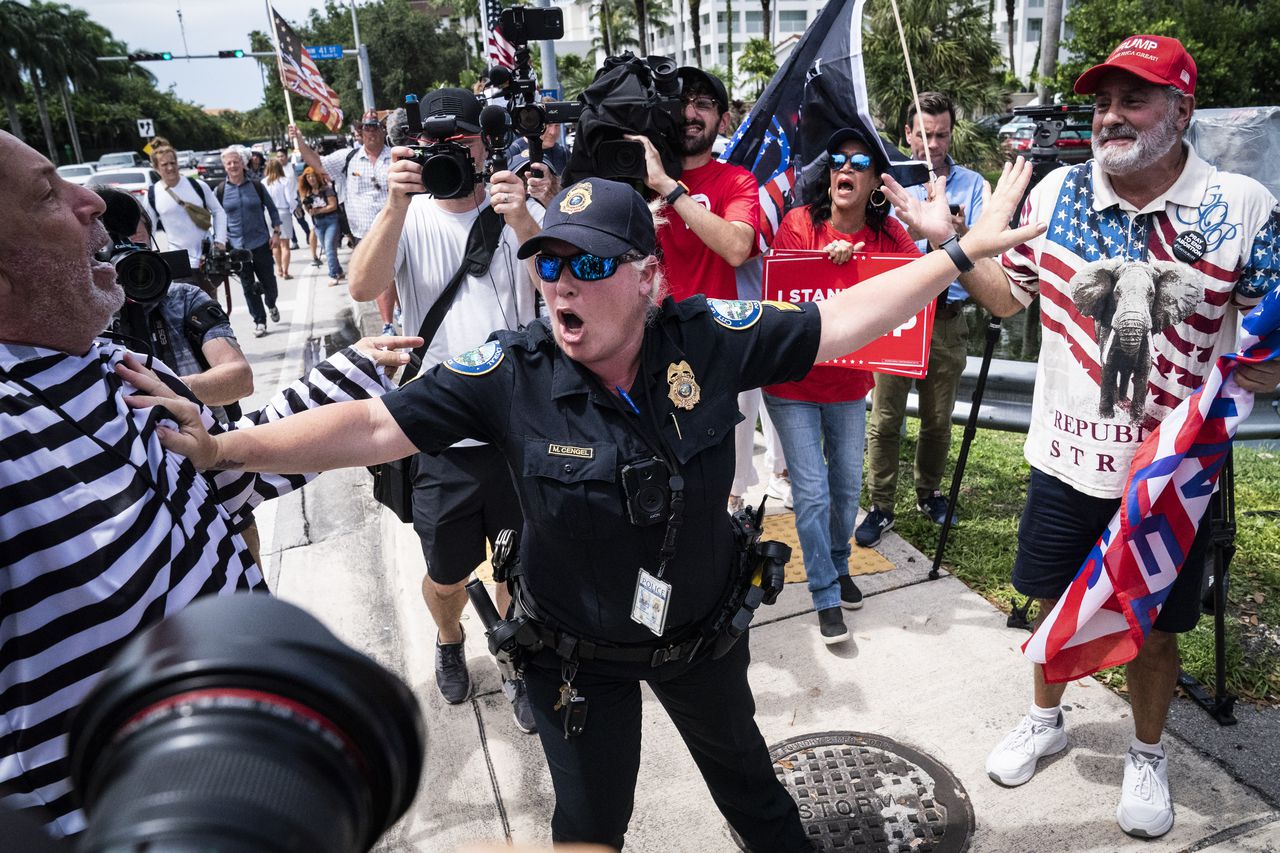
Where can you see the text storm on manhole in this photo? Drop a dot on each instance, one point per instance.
(859, 792)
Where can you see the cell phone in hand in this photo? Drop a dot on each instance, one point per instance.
(955, 209)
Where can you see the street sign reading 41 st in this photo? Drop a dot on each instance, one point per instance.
(325, 51)
(146, 127)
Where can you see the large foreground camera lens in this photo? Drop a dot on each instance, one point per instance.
(240, 724)
(446, 176)
(143, 274)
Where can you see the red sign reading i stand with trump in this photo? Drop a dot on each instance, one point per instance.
(800, 276)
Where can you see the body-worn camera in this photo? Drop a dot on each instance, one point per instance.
(220, 263)
(647, 492)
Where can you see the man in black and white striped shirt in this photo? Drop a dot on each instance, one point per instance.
(102, 531)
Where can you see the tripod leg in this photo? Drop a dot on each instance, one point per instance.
(970, 429)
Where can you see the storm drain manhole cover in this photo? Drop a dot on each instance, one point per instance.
(860, 793)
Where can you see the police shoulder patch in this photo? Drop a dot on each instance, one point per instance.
(478, 361)
(734, 313)
(781, 306)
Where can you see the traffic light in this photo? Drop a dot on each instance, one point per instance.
(230, 54)
(150, 57)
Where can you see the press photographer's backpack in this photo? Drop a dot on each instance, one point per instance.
(625, 99)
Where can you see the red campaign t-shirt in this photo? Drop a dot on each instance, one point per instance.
(729, 192)
(827, 383)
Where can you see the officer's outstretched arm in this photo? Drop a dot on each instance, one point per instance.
(878, 305)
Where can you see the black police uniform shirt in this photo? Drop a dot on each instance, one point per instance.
(566, 443)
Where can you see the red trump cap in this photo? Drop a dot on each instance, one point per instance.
(1156, 59)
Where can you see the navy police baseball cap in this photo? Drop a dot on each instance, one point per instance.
(604, 218)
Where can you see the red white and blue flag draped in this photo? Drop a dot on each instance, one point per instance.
(299, 74)
(1107, 611)
(824, 71)
(497, 50)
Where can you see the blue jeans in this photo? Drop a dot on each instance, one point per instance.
(327, 229)
(823, 443)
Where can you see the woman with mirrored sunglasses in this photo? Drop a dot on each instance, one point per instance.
(821, 420)
(616, 413)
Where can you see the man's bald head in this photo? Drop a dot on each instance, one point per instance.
(53, 292)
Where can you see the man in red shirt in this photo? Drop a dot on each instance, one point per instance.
(712, 220)
(713, 211)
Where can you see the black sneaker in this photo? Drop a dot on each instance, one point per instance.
(451, 671)
(850, 595)
(875, 525)
(934, 506)
(275, 314)
(831, 626)
(518, 695)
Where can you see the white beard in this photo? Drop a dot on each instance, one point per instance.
(1148, 146)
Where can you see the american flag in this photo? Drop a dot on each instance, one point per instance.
(1107, 611)
(300, 75)
(824, 70)
(497, 50)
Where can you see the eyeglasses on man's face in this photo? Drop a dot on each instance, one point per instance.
(857, 162)
(702, 103)
(584, 266)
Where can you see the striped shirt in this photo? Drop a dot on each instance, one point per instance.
(103, 533)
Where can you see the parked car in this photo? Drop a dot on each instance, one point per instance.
(134, 181)
(121, 159)
(209, 168)
(78, 173)
(187, 159)
(1074, 143)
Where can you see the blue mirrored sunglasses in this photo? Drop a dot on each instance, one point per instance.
(857, 162)
(584, 266)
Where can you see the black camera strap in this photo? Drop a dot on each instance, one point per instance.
(482, 242)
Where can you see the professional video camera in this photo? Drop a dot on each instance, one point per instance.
(529, 116)
(220, 263)
(240, 724)
(1050, 121)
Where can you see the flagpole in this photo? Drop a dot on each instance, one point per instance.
(275, 40)
(915, 95)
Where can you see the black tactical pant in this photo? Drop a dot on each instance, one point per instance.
(710, 702)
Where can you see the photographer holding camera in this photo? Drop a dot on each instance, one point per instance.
(463, 495)
(102, 531)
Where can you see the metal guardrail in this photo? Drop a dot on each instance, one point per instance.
(1006, 401)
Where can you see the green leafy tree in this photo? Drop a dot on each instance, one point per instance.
(951, 51)
(1234, 44)
(758, 64)
(15, 25)
(575, 73)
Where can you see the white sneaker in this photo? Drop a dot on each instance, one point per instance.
(779, 489)
(1014, 761)
(1145, 809)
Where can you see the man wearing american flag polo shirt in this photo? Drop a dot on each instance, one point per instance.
(1149, 255)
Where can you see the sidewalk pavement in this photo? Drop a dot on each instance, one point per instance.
(929, 664)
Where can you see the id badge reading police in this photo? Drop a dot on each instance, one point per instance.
(649, 608)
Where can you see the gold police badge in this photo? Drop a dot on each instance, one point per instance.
(684, 393)
(577, 200)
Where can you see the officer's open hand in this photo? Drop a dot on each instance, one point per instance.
(388, 351)
(191, 439)
(656, 178)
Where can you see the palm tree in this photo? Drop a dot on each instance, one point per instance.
(76, 62)
(695, 21)
(15, 25)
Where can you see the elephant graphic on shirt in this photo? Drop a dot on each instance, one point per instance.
(1130, 301)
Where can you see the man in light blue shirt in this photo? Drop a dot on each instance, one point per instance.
(947, 349)
(248, 206)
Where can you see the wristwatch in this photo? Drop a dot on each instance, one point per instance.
(951, 246)
(680, 190)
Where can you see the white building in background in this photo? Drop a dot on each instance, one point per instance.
(1028, 25)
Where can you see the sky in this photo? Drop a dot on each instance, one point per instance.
(210, 25)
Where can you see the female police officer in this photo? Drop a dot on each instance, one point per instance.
(616, 417)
